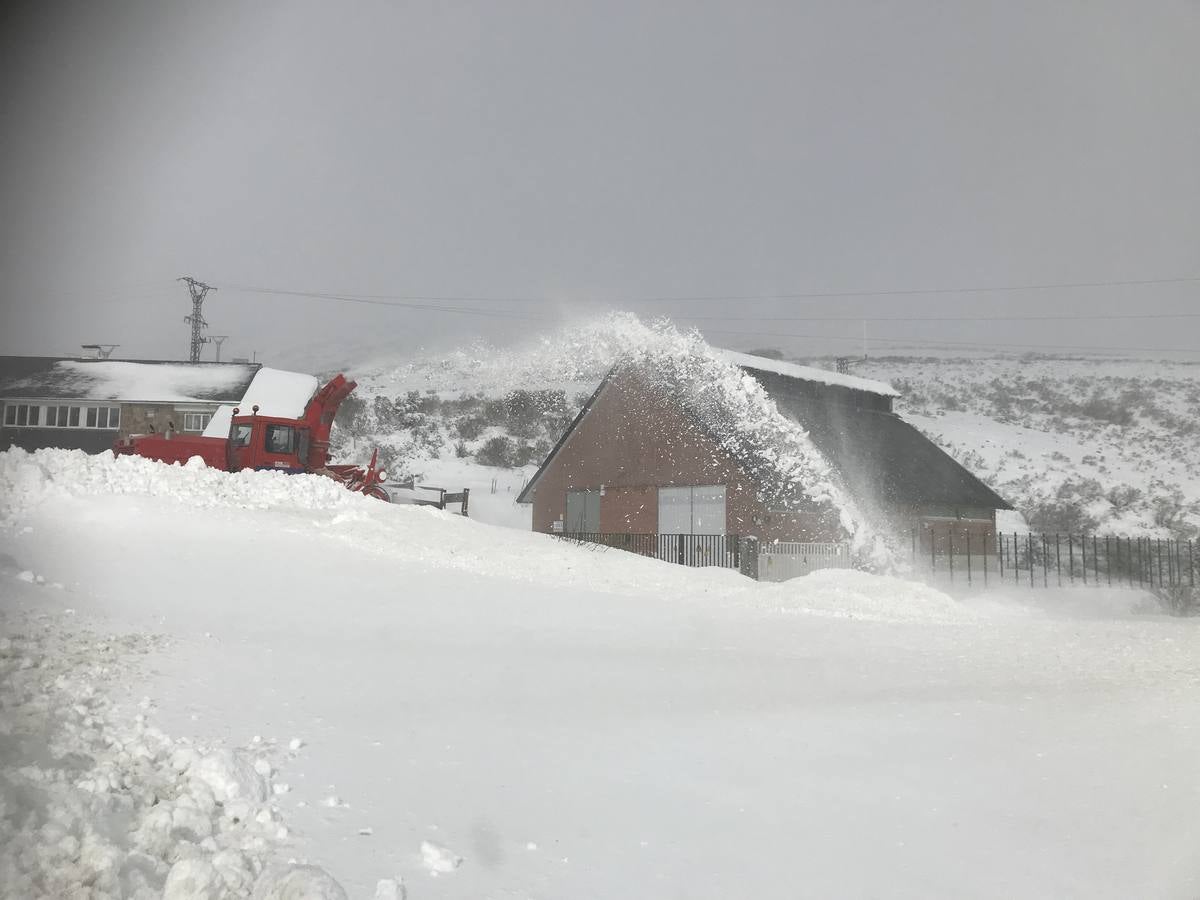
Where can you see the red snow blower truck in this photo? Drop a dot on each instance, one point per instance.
(268, 442)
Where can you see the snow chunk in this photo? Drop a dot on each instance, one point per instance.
(438, 860)
(298, 883)
(231, 775)
(390, 889)
(194, 879)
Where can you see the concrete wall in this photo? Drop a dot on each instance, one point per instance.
(631, 442)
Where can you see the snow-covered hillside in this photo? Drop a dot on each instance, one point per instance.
(215, 681)
(1076, 444)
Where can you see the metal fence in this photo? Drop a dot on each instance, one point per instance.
(781, 560)
(685, 549)
(974, 558)
(1045, 560)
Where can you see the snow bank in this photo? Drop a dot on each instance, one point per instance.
(275, 393)
(96, 802)
(849, 594)
(27, 479)
(156, 382)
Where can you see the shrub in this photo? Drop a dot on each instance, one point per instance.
(496, 451)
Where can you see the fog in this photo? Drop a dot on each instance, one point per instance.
(529, 162)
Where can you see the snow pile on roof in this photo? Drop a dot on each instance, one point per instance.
(807, 373)
(275, 393)
(27, 479)
(155, 382)
(739, 414)
(98, 803)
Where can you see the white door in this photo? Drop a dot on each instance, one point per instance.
(708, 509)
(674, 510)
(696, 509)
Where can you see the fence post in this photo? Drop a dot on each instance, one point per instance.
(1058, 558)
(748, 556)
(1191, 564)
(1095, 560)
(1000, 553)
(969, 581)
(1071, 558)
(950, 555)
(1029, 550)
(1158, 547)
(986, 540)
(1045, 560)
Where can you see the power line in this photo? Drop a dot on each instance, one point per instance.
(1062, 318)
(382, 300)
(935, 343)
(402, 299)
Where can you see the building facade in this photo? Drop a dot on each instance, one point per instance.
(635, 461)
(87, 404)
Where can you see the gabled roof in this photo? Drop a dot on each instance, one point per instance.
(806, 373)
(524, 496)
(880, 455)
(130, 381)
(877, 454)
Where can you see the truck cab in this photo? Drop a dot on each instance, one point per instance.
(264, 442)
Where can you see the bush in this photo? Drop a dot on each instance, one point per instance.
(470, 427)
(496, 451)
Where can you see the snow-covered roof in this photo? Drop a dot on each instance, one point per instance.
(275, 393)
(805, 373)
(130, 381)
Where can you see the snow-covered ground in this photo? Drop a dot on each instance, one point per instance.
(401, 695)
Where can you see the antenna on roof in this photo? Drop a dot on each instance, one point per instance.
(102, 351)
(198, 291)
(218, 339)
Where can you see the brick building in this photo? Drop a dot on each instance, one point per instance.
(86, 404)
(638, 459)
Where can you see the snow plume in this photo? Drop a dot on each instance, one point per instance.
(577, 355)
(739, 414)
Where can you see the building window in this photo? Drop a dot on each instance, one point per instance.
(691, 509)
(583, 512)
(195, 421)
(36, 415)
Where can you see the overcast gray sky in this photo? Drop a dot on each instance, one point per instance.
(581, 155)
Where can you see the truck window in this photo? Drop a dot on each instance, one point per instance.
(281, 439)
(241, 435)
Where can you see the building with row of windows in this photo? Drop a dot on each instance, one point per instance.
(87, 404)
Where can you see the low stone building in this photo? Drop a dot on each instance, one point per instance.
(643, 459)
(86, 404)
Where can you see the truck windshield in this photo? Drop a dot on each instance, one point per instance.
(240, 436)
(281, 439)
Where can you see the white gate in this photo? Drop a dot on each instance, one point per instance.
(782, 560)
